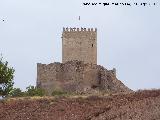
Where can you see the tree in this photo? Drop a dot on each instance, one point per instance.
(6, 78)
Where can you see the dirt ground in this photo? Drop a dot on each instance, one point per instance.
(142, 105)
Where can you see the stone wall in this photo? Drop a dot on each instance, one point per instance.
(79, 44)
(77, 76)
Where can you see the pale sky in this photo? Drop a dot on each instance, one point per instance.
(128, 37)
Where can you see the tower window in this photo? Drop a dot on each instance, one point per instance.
(92, 45)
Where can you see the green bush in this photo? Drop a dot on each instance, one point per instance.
(16, 92)
(34, 91)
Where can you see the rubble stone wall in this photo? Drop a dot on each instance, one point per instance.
(77, 76)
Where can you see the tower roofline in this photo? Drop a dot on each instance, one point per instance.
(79, 29)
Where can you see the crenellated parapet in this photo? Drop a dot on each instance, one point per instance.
(75, 33)
(79, 29)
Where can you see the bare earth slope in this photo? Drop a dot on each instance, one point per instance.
(142, 105)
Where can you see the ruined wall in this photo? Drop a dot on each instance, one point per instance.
(76, 76)
(79, 44)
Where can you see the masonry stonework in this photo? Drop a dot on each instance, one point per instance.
(77, 76)
(78, 72)
(79, 44)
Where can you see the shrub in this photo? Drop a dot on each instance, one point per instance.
(16, 92)
(34, 91)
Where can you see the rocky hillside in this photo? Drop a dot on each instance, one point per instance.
(142, 105)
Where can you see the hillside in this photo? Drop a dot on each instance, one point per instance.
(142, 105)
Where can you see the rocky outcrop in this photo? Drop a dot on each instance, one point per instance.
(78, 77)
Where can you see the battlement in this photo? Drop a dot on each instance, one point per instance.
(79, 29)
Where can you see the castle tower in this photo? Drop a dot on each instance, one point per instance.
(79, 44)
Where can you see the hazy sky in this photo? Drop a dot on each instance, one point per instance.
(128, 37)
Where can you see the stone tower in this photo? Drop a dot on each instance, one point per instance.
(79, 44)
